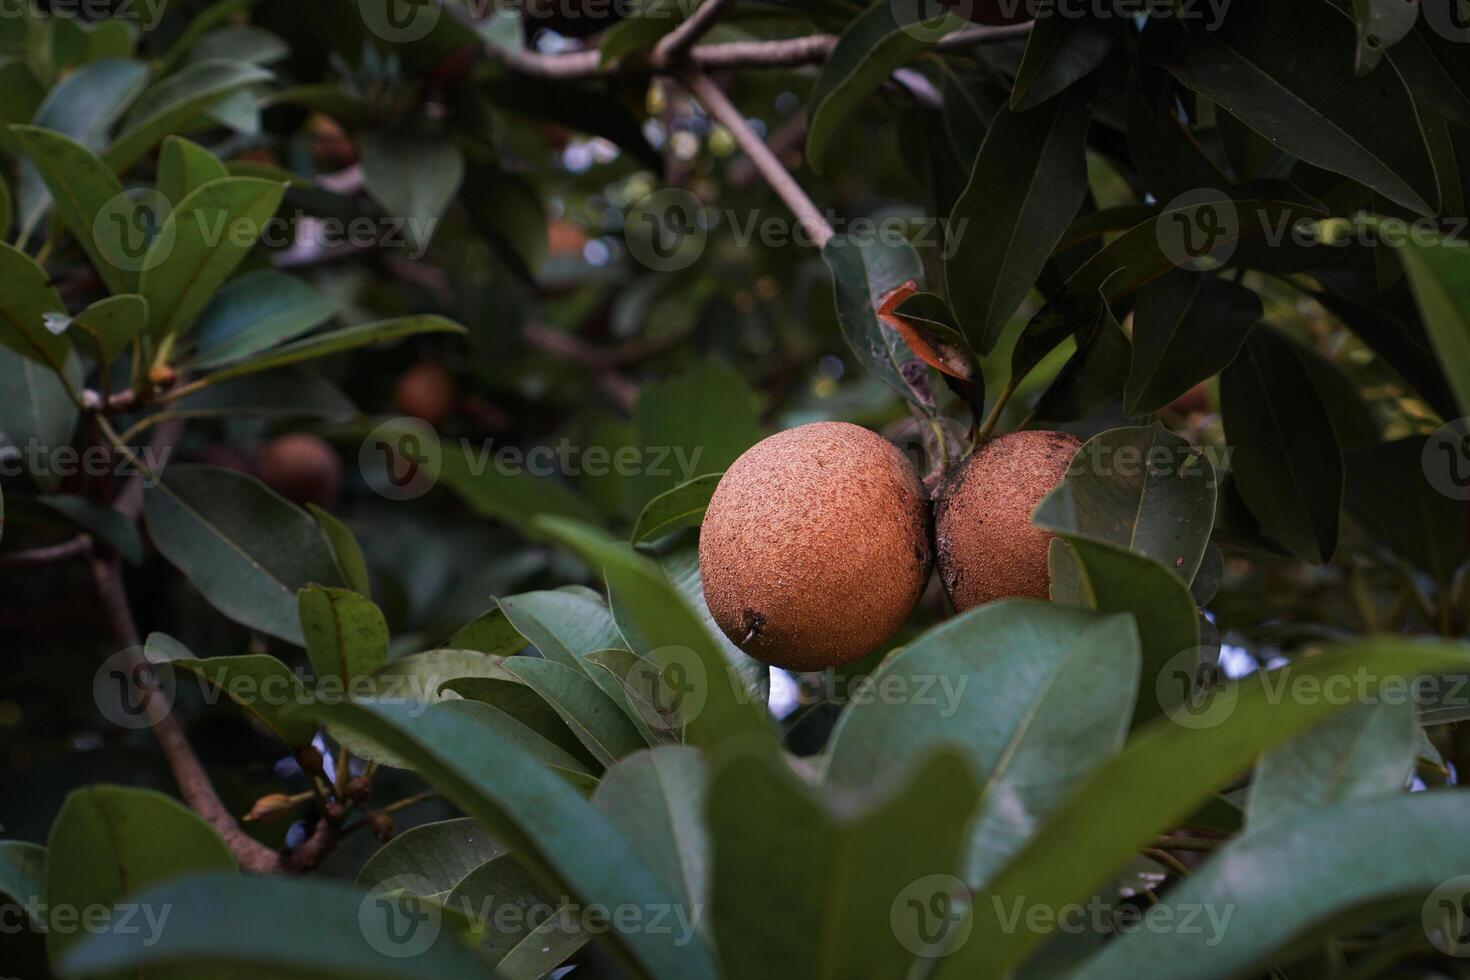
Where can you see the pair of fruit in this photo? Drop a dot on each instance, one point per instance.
(816, 546)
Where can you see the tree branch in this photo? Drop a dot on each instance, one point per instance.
(673, 46)
(718, 104)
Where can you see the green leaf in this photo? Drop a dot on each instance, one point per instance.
(1287, 464)
(7, 203)
(1389, 494)
(298, 930)
(184, 167)
(692, 425)
(239, 42)
(109, 842)
(112, 324)
(1142, 489)
(23, 874)
(81, 186)
(200, 245)
(564, 626)
(1062, 50)
(1440, 276)
(717, 708)
(1364, 752)
(337, 341)
(24, 304)
(106, 523)
(1187, 327)
(519, 701)
(346, 635)
(507, 208)
(259, 683)
(561, 838)
(36, 413)
(680, 507)
(1022, 687)
(288, 392)
(856, 863)
(881, 39)
(598, 722)
(1286, 70)
(491, 632)
(434, 857)
(413, 177)
(1026, 186)
(176, 103)
(245, 548)
(1168, 770)
(657, 797)
(350, 561)
(515, 916)
(215, 15)
(1299, 880)
(862, 275)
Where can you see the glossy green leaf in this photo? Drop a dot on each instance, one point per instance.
(431, 859)
(882, 38)
(1061, 50)
(564, 626)
(413, 177)
(695, 424)
(200, 245)
(23, 872)
(491, 632)
(241, 42)
(105, 523)
(508, 209)
(1286, 70)
(246, 549)
(298, 930)
(1187, 327)
(350, 561)
(1364, 752)
(1025, 189)
(1287, 464)
(288, 392)
(1142, 489)
(111, 324)
(1390, 495)
(81, 186)
(337, 341)
(862, 275)
(597, 721)
(1381, 24)
(1440, 276)
(346, 635)
(673, 509)
(259, 683)
(1034, 694)
(36, 413)
(561, 838)
(108, 842)
(1167, 770)
(184, 167)
(1296, 880)
(514, 914)
(521, 702)
(24, 304)
(176, 103)
(858, 863)
(215, 15)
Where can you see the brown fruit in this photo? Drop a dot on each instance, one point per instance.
(302, 468)
(426, 392)
(988, 547)
(1196, 399)
(815, 548)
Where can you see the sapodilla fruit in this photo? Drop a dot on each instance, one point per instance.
(988, 547)
(815, 548)
(426, 391)
(302, 468)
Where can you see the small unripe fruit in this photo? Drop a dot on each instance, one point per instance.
(302, 468)
(426, 392)
(815, 548)
(988, 547)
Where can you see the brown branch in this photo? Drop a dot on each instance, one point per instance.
(674, 45)
(718, 104)
(50, 554)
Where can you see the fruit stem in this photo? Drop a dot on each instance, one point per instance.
(993, 419)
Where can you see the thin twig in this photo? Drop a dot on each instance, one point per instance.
(48, 555)
(718, 104)
(675, 44)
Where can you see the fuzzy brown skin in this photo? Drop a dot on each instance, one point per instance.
(302, 468)
(988, 547)
(426, 392)
(815, 548)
